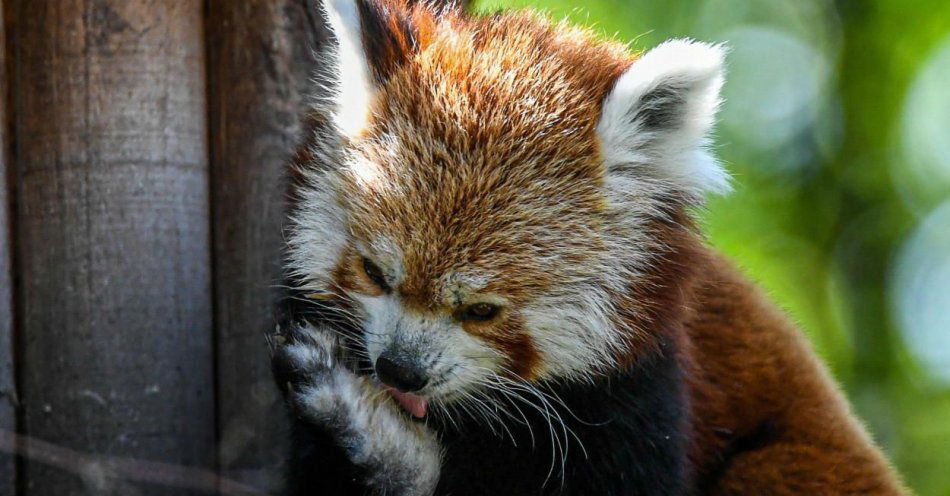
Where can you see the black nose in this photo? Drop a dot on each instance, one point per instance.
(400, 375)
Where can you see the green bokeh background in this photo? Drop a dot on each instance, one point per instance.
(836, 127)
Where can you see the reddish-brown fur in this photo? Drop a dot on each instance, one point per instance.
(478, 76)
(765, 416)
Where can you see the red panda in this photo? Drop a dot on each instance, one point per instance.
(507, 292)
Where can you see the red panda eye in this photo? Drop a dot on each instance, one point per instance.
(479, 312)
(375, 274)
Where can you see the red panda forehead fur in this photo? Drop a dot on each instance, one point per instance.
(481, 153)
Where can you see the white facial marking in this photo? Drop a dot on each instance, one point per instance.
(449, 355)
(318, 234)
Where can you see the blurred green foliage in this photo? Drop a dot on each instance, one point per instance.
(836, 127)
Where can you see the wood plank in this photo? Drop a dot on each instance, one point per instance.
(260, 66)
(113, 236)
(7, 382)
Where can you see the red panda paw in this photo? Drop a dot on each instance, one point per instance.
(396, 455)
(302, 353)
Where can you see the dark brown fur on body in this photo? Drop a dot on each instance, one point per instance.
(481, 153)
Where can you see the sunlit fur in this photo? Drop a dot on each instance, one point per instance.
(514, 161)
(484, 173)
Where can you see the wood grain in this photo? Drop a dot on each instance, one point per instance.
(260, 67)
(7, 382)
(113, 236)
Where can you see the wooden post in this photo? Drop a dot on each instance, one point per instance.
(260, 67)
(7, 383)
(113, 236)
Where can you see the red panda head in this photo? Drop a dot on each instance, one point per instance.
(495, 196)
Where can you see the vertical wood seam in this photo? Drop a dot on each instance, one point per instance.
(9, 151)
(212, 225)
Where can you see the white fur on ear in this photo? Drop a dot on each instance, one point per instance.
(657, 118)
(353, 86)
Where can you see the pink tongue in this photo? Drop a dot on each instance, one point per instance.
(415, 405)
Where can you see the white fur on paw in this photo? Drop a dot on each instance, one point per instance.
(315, 351)
(402, 457)
(328, 398)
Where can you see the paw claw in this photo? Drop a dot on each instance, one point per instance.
(301, 354)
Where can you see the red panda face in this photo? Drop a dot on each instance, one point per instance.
(485, 191)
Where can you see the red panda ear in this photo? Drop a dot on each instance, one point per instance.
(389, 36)
(373, 38)
(353, 82)
(656, 120)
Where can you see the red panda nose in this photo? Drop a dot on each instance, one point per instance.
(400, 374)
